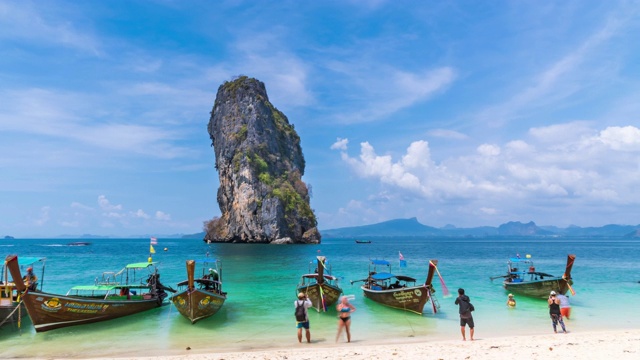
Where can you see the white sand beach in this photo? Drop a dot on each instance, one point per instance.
(617, 344)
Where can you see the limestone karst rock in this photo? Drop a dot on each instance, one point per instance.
(260, 164)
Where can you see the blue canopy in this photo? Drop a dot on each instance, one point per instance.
(22, 261)
(519, 260)
(380, 262)
(382, 276)
(205, 261)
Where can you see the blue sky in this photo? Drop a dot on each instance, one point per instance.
(456, 112)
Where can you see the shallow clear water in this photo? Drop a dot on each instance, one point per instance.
(261, 282)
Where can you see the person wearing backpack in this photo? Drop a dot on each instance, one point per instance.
(465, 309)
(302, 317)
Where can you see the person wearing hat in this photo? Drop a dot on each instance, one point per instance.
(511, 302)
(30, 279)
(302, 316)
(554, 312)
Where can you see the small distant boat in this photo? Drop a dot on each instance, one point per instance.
(79, 243)
(322, 289)
(403, 293)
(9, 301)
(107, 299)
(202, 297)
(363, 241)
(523, 278)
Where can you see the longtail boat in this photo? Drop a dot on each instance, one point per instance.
(320, 287)
(202, 297)
(9, 299)
(523, 278)
(363, 241)
(398, 291)
(117, 295)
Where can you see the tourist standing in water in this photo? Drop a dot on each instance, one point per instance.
(344, 317)
(554, 312)
(465, 308)
(302, 316)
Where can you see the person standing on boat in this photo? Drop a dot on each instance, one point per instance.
(554, 312)
(565, 307)
(302, 316)
(465, 308)
(344, 317)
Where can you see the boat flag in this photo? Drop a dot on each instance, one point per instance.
(403, 262)
(445, 291)
(151, 249)
(154, 241)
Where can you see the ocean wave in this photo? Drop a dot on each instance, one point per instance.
(53, 245)
(5, 245)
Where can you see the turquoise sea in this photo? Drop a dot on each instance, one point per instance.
(261, 282)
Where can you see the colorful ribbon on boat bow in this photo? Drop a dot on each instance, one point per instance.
(445, 291)
(573, 293)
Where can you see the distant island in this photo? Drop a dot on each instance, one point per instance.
(412, 228)
(8, 237)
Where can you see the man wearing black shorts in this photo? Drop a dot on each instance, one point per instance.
(465, 308)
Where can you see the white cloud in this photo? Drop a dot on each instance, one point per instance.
(488, 150)
(44, 216)
(79, 206)
(392, 90)
(581, 169)
(106, 205)
(340, 144)
(162, 216)
(625, 138)
(141, 214)
(447, 134)
(25, 22)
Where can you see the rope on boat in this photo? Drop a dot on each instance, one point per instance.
(10, 315)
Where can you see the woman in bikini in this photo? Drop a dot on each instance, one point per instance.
(344, 317)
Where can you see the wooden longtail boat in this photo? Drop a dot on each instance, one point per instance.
(9, 301)
(523, 278)
(403, 294)
(200, 298)
(322, 289)
(363, 241)
(103, 301)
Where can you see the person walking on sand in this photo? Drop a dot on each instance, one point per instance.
(302, 316)
(344, 317)
(465, 308)
(565, 306)
(554, 312)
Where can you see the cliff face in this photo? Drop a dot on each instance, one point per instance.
(260, 165)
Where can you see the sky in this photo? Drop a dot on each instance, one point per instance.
(470, 113)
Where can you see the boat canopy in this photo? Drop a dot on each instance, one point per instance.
(22, 261)
(94, 287)
(205, 261)
(315, 276)
(140, 265)
(382, 276)
(519, 260)
(387, 276)
(380, 262)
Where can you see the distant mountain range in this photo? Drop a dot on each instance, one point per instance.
(411, 227)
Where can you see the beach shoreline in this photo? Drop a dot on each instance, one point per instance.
(619, 344)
